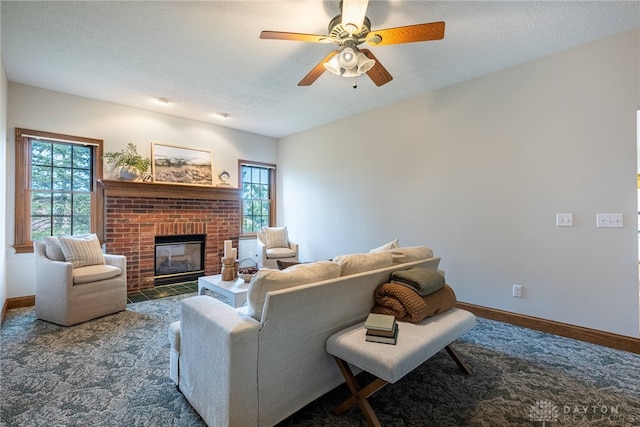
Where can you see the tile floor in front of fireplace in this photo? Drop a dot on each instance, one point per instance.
(162, 291)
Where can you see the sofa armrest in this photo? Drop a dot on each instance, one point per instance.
(119, 261)
(53, 278)
(219, 361)
(262, 248)
(294, 247)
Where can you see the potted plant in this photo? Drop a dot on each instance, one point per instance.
(132, 165)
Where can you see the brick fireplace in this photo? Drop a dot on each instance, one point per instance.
(135, 213)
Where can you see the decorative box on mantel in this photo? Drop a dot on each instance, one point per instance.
(136, 212)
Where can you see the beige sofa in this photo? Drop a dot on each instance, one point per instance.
(258, 364)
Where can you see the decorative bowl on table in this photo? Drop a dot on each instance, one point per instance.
(247, 268)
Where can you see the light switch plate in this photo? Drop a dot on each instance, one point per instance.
(564, 220)
(609, 220)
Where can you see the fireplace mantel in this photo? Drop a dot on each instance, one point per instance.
(168, 191)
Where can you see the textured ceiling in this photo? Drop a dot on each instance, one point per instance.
(207, 56)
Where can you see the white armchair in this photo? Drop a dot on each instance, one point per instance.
(69, 292)
(274, 245)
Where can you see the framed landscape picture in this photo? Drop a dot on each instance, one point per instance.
(179, 165)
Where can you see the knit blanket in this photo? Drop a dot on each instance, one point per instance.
(406, 305)
(421, 280)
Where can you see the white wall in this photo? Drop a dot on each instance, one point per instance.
(3, 181)
(38, 109)
(477, 172)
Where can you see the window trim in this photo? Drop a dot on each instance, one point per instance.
(272, 193)
(22, 238)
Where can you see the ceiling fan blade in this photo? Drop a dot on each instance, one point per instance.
(378, 74)
(353, 14)
(408, 34)
(316, 71)
(298, 37)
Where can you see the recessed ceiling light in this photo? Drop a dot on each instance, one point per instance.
(163, 100)
(223, 116)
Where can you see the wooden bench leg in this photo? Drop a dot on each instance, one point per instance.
(456, 358)
(359, 394)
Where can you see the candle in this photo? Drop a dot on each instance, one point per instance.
(227, 248)
(234, 254)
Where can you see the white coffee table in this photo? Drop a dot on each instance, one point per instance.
(233, 292)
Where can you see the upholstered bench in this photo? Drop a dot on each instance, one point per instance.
(415, 344)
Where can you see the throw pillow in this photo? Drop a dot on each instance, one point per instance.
(277, 237)
(81, 251)
(53, 249)
(387, 246)
(268, 280)
(412, 253)
(359, 263)
(285, 264)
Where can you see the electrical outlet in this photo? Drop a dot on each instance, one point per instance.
(564, 220)
(517, 291)
(609, 220)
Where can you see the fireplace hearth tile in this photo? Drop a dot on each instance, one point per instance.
(162, 292)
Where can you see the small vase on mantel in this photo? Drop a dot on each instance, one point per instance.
(129, 173)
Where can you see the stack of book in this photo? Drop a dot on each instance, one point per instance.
(381, 328)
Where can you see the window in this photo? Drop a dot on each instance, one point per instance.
(257, 181)
(55, 186)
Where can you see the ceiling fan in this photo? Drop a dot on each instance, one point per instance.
(348, 31)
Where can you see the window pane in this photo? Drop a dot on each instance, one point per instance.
(41, 153)
(62, 179)
(40, 204)
(82, 204)
(81, 224)
(263, 191)
(82, 157)
(41, 178)
(61, 225)
(246, 207)
(62, 204)
(40, 227)
(265, 222)
(265, 208)
(62, 155)
(81, 180)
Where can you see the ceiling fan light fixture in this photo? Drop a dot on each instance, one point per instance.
(333, 66)
(352, 72)
(347, 58)
(364, 63)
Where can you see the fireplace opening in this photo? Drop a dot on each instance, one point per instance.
(178, 258)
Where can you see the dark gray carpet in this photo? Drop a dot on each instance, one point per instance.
(113, 371)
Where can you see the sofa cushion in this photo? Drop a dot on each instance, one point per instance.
(358, 263)
(409, 254)
(267, 280)
(81, 251)
(94, 273)
(277, 237)
(391, 245)
(285, 264)
(274, 253)
(53, 249)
